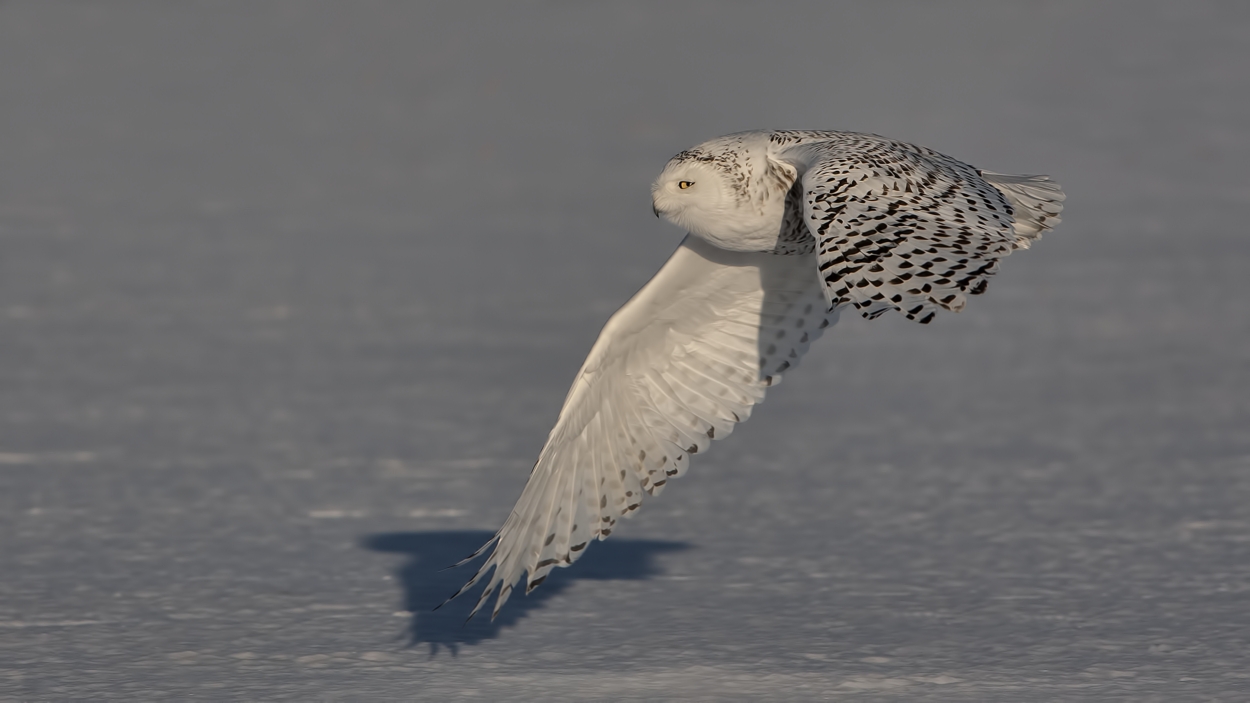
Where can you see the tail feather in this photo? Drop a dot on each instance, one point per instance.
(1036, 200)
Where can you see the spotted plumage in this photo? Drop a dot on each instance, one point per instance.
(786, 229)
(906, 228)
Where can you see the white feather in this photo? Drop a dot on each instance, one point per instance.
(672, 369)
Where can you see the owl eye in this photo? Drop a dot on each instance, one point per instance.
(684, 184)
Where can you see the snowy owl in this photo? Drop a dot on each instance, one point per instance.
(785, 230)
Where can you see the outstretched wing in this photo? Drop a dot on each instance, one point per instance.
(683, 361)
(902, 227)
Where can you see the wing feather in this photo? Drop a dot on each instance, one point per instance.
(678, 366)
(902, 227)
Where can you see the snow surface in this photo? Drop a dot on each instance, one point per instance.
(290, 293)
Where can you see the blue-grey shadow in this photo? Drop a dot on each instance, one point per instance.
(427, 581)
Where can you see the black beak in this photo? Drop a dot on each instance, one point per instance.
(655, 209)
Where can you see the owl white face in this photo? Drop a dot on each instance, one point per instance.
(692, 195)
(722, 192)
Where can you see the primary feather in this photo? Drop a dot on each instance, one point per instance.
(786, 228)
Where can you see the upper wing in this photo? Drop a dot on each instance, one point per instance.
(686, 358)
(906, 228)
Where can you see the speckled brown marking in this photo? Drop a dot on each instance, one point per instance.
(885, 213)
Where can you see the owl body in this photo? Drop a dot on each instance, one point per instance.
(786, 229)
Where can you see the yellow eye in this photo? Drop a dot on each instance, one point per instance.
(684, 184)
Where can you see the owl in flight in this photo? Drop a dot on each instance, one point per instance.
(786, 229)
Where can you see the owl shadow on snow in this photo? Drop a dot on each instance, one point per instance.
(427, 581)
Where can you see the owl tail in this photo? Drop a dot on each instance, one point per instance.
(1036, 201)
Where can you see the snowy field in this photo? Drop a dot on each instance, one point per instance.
(290, 294)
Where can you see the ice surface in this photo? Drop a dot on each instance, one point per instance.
(290, 294)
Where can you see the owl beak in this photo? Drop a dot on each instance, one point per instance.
(655, 209)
